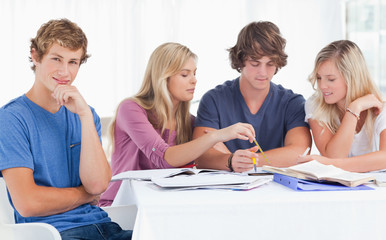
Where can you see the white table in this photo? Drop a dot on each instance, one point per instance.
(271, 211)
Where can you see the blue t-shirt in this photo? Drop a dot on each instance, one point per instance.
(49, 144)
(281, 111)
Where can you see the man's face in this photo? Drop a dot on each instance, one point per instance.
(258, 73)
(59, 66)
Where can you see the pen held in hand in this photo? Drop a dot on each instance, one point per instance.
(254, 164)
(261, 150)
(305, 152)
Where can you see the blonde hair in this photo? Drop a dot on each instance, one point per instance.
(350, 62)
(166, 60)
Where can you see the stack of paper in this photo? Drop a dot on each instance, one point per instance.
(189, 178)
(380, 177)
(212, 180)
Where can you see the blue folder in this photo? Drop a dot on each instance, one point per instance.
(305, 185)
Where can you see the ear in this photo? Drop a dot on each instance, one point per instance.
(34, 56)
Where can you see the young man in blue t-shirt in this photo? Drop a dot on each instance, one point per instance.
(276, 113)
(51, 156)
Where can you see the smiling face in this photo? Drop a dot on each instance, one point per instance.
(182, 85)
(257, 74)
(332, 84)
(59, 66)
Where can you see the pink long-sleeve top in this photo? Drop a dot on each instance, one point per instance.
(138, 146)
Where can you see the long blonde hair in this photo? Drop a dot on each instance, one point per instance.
(166, 60)
(350, 62)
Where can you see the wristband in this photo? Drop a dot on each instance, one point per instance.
(353, 113)
(230, 163)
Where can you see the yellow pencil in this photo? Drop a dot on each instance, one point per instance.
(254, 164)
(261, 150)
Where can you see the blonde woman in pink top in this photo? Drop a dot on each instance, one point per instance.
(153, 129)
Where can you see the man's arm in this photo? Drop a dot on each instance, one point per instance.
(31, 200)
(217, 156)
(94, 170)
(295, 142)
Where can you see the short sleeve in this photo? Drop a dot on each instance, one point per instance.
(97, 122)
(14, 143)
(380, 122)
(295, 113)
(309, 108)
(207, 113)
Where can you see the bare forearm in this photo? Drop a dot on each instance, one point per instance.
(94, 170)
(187, 152)
(340, 144)
(363, 163)
(282, 157)
(209, 138)
(184, 153)
(45, 201)
(295, 143)
(213, 159)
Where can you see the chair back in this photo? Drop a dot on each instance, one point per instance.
(6, 210)
(105, 123)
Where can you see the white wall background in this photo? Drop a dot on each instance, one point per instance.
(123, 33)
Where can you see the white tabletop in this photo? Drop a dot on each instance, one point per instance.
(271, 211)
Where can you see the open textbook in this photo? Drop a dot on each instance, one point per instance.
(147, 175)
(317, 171)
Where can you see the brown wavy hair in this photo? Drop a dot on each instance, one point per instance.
(256, 40)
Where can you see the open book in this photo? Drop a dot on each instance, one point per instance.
(317, 171)
(147, 175)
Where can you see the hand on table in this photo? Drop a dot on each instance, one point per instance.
(307, 158)
(242, 159)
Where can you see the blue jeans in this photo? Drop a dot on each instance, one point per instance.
(100, 231)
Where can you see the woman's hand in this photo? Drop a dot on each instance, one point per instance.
(243, 131)
(307, 158)
(366, 102)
